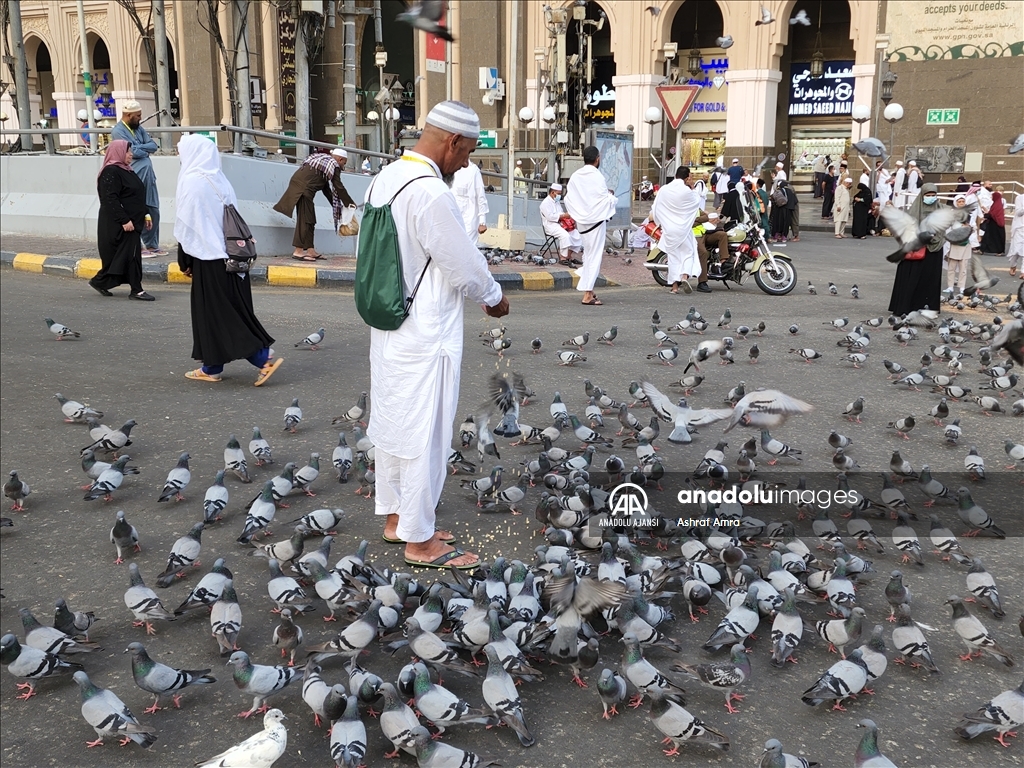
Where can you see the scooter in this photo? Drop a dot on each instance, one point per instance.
(748, 254)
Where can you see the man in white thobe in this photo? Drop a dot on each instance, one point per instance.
(778, 175)
(675, 209)
(518, 173)
(591, 204)
(883, 189)
(414, 370)
(721, 187)
(551, 215)
(898, 195)
(913, 182)
(468, 188)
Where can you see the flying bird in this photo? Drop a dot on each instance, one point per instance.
(912, 235)
(800, 18)
(724, 42)
(426, 15)
(766, 17)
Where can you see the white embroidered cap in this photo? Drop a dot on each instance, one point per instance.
(556, 187)
(455, 117)
(339, 152)
(130, 106)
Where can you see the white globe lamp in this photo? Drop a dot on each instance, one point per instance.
(526, 115)
(652, 115)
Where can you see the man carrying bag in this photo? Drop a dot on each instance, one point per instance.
(415, 264)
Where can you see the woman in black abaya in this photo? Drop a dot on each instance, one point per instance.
(918, 282)
(861, 211)
(120, 222)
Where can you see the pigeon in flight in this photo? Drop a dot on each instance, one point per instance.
(426, 15)
(800, 18)
(766, 17)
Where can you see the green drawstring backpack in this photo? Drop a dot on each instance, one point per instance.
(380, 289)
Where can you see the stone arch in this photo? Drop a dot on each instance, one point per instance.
(39, 55)
(831, 17)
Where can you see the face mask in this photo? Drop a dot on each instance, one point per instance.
(930, 199)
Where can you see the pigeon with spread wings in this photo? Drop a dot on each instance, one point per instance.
(766, 408)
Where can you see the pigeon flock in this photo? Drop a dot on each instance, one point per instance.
(661, 623)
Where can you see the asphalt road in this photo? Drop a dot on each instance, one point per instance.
(130, 363)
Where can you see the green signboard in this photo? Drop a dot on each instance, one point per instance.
(287, 144)
(943, 117)
(488, 139)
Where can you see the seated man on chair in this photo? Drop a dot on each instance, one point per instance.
(552, 216)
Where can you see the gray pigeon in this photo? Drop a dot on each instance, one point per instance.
(50, 640)
(75, 412)
(981, 584)
(342, 458)
(843, 679)
(287, 636)
(260, 680)
(226, 620)
(108, 481)
(975, 516)
(725, 42)
(74, 624)
(184, 554)
(161, 680)
(292, 416)
(974, 634)
(261, 750)
(31, 664)
(642, 674)
(261, 514)
(680, 727)
(502, 697)
(177, 480)
(143, 602)
(911, 234)
(303, 478)
(60, 330)
(723, 676)
(774, 757)
(442, 707)
(315, 691)
(348, 737)
(313, 340)
(352, 640)
(286, 591)
(234, 460)
(868, 754)
(397, 721)
(353, 415)
(260, 448)
(208, 590)
(437, 754)
(426, 15)
(1003, 714)
(112, 442)
(216, 499)
(612, 688)
(109, 716)
(871, 147)
(910, 642)
(1016, 146)
(16, 490)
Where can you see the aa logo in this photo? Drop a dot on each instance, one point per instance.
(627, 500)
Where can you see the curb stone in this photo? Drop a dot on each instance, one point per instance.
(330, 278)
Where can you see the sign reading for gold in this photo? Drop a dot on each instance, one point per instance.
(925, 31)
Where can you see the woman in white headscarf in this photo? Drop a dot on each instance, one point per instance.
(224, 325)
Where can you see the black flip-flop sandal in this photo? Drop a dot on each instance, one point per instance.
(443, 561)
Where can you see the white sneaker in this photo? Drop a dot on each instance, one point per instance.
(147, 254)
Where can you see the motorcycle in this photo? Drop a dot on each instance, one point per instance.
(749, 253)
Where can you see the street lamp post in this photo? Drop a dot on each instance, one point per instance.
(861, 114)
(893, 114)
(652, 117)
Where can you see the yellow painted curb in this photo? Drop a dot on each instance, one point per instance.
(29, 262)
(300, 277)
(175, 275)
(538, 281)
(575, 278)
(87, 268)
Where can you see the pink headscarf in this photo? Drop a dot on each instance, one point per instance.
(115, 155)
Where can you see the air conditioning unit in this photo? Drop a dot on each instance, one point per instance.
(311, 6)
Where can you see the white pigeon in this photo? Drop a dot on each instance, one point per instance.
(724, 42)
(681, 415)
(260, 448)
(801, 18)
(766, 17)
(75, 412)
(261, 750)
(765, 408)
(177, 480)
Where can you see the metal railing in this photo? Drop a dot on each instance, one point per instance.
(51, 148)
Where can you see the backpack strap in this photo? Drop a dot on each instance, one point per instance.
(416, 288)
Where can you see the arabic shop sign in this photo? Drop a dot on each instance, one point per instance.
(713, 98)
(831, 94)
(601, 106)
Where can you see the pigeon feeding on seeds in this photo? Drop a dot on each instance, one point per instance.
(75, 412)
(61, 331)
(774, 757)
(832, 289)
(570, 357)
(112, 442)
(313, 340)
(1003, 714)
(108, 481)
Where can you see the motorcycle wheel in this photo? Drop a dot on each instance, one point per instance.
(777, 282)
(661, 275)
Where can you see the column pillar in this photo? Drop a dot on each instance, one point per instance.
(750, 117)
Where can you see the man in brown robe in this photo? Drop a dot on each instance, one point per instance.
(319, 173)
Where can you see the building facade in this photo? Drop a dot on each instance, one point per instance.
(757, 94)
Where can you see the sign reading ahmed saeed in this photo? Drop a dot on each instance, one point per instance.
(926, 31)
